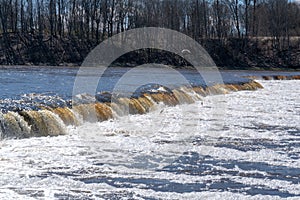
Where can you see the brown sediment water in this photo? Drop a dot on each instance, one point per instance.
(67, 115)
(40, 123)
(54, 122)
(275, 77)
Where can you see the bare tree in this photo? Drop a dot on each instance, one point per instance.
(234, 6)
(278, 19)
(99, 19)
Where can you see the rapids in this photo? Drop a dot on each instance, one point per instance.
(188, 151)
(53, 121)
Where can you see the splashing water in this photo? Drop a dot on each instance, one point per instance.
(170, 153)
(53, 121)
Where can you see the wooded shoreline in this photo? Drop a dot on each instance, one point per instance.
(230, 54)
(238, 34)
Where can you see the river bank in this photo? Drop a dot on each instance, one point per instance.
(230, 54)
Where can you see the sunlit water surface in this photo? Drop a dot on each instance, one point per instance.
(250, 149)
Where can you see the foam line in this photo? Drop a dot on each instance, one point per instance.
(53, 122)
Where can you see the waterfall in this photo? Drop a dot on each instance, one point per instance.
(53, 121)
(275, 77)
(31, 124)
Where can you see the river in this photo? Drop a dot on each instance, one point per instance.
(247, 149)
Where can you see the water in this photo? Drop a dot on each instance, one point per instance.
(26, 88)
(17, 81)
(248, 150)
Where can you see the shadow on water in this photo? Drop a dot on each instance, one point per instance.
(194, 164)
(197, 165)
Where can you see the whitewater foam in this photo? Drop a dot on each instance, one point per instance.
(181, 152)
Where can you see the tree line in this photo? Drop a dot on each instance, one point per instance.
(96, 20)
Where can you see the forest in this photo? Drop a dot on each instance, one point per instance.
(237, 33)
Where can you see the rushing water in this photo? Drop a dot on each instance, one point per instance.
(248, 150)
(32, 87)
(18, 81)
